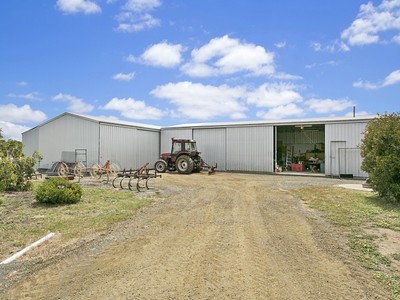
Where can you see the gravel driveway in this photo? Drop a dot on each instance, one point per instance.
(226, 236)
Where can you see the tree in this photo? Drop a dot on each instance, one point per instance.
(15, 167)
(380, 150)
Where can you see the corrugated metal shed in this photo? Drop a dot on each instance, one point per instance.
(250, 149)
(168, 134)
(249, 146)
(342, 152)
(235, 146)
(212, 144)
(102, 138)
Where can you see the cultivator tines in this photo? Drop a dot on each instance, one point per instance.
(122, 179)
(141, 176)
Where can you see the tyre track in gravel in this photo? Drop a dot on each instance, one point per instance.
(227, 236)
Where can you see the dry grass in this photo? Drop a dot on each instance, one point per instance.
(23, 220)
(358, 214)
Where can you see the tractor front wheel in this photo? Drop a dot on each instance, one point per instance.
(184, 164)
(160, 166)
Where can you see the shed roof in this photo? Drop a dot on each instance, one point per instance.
(104, 120)
(114, 121)
(276, 122)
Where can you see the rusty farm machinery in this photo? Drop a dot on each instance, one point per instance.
(141, 175)
(78, 169)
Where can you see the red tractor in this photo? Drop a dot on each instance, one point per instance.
(183, 157)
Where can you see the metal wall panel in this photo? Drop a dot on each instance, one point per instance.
(250, 149)
(129, 147)
(68, 133)
(340, 136)
(212, 145)
(30, 140)
(118, 144)
(167, 134)
(147, 147)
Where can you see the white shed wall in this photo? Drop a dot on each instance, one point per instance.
(30, 139)
(167, 134)
(129, 147)
(118, 144)
(65, 134)
(250, 149)
(147, 147)
(342, 155)
(212, 145)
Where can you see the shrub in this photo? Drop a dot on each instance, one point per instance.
(58, 191)
(380, 150)
(15, 168)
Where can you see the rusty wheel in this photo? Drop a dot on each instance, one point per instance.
(94, 170)
(78, 169)
(62, 170)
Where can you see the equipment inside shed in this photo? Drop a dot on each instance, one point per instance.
(300, 148)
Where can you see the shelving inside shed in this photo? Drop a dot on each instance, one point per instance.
(300, 148)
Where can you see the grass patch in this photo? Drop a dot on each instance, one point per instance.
(353, 212)
(367, 251)
(23, 220)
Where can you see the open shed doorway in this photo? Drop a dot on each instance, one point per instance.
(300, 149)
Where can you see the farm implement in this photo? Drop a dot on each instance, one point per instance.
(78, 169)
(184, 158)
(125, 179)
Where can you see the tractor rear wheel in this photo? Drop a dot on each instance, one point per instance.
(184, 164)
(160, 166)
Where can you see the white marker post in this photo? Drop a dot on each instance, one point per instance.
(23, 251)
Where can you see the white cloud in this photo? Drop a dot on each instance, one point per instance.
(136, 17)
(21, 114)
(12, 131)
(324, 106)
(161, 55)
(372, 21)
(392, 78)
(141, 5)
(202, 102)
(131, 22)
(29, 96)
(78, 6)
(134, 109)
(280, 45)
(76, 105)
(396, 39)
(226, 55)
(280, 112)
(365, 85)
(274, 95)
(124, 76)
(335, 46)
(22, 83)
(358, 113)
(326, 63)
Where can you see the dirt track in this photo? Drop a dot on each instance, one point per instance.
(227, 236)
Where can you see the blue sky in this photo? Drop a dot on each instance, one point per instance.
(168, 62)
